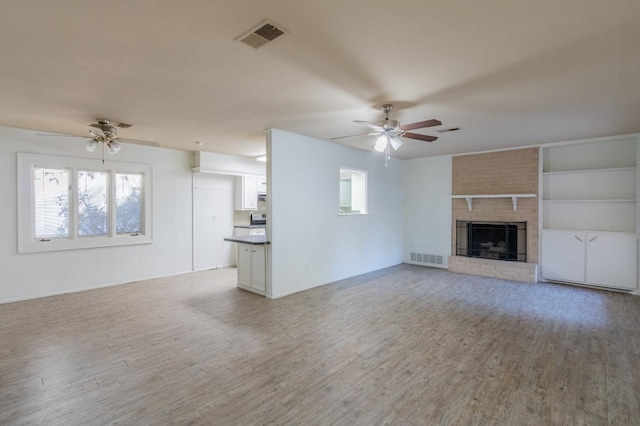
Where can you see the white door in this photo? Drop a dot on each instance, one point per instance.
(212, 222)
(612, 261)
(563, 256)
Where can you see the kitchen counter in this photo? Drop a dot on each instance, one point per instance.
(250, 226)
(249, 239)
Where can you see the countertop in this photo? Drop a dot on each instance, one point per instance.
(249, 239)
(250, 226)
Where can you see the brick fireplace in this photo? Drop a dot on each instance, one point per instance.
(496, 173)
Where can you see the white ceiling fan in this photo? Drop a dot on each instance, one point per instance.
(390, 132)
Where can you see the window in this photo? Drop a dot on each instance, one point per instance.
(69, 203)
(353, 191)
(51, 190)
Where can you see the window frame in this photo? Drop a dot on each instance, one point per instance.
(364, 195)
(28, 243)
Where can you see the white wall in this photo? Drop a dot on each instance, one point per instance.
(427, 207)
(311, 244)
(223, 164)
(213, 203)
(39, 274)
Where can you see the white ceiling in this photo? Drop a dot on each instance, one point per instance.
(509, 73)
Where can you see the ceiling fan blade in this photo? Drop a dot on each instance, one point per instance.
(353, 136)
(59, 136)
(373, 126)
(421, 124)
(420, 137)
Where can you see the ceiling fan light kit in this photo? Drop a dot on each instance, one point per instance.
(108, 138)
(390, 132)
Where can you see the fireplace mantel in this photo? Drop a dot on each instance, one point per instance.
(514, 198)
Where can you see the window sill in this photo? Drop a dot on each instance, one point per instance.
(56, 244)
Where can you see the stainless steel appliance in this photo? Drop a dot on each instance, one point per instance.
(258, 219)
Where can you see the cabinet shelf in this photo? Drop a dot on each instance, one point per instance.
(574, 231)
(631, 200)
(585, 171)
(610, 185)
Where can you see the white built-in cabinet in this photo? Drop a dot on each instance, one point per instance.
(246, 193)
(252, 264)
(247, 190)
(262, 184)
(589, 212)
(598, 259)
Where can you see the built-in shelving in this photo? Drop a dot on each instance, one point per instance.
(589, 212)
(590, 186)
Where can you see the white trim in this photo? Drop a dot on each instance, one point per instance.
(569, 172)
(547, 145)
(497, 150)
(591, 140)
(112, 284)
(27, 242)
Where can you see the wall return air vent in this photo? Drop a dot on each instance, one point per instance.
(429, 259)
(261, 34)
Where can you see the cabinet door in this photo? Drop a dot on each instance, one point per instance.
(258, 267)
(246, 193)
(612, 261)
(262, 184)
(563, 256)
(244, 264)
(250, 196)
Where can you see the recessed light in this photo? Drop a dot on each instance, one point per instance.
(198, 143)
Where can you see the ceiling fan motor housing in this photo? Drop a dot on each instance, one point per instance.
(109, 131)
(389, 124)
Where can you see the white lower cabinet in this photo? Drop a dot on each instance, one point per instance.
(592, 258)
(252, 263)
(244, 264)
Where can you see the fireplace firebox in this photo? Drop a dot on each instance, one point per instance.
(492, 240)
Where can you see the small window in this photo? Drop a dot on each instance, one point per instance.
(73, 203)
(51, 202)
(128, 203)
(353, 191)
(93, 204)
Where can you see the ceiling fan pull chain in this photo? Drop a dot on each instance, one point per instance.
(386, 154)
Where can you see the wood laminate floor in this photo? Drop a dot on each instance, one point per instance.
(404, 345)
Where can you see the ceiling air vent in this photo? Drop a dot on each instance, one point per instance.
(261, 34)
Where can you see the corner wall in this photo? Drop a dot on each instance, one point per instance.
(427, 211)
(31, 275)
(311, 244)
